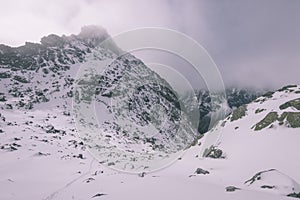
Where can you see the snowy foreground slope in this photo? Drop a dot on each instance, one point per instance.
(42, 158)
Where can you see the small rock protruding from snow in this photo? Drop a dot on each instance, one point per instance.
(213, 152)
(232, 189)
(201, 171)
(98, 195)
(143, 174)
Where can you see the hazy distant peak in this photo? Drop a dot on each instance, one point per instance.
(93, 31)
(52, 40)
(93, 35)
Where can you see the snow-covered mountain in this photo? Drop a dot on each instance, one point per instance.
(42, 156)
(36, 73)
(39, 76)
(235, 97)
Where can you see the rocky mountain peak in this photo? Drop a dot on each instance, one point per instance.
(92, 35)
(52, 40)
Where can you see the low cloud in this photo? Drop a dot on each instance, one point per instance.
(254, 43)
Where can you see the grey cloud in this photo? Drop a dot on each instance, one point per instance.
(254, 43)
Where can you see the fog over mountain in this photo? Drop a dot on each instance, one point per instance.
(254, 43)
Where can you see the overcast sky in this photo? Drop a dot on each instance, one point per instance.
(253, 42)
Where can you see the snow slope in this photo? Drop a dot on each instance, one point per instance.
(42, 158)
(249, 151)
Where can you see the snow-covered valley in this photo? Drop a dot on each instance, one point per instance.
(43, 157)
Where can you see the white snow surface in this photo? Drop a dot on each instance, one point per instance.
(40, 165)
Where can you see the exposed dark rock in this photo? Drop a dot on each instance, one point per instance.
(42, 154)
(201, 171)
(293, 119)
(287, 87)
(268, 120)
(4, 75)
(258, 110)
(98, 195)
(268, 94)
(21, 79)
(295, 195)
(9, 106)
(213, 152)
(51, 129)
(66, 113)
(293, 103)
(2, 98)
(143, 174)
(267, 187)
(80, 156)
(231, 189)
(89, 180)
(239, 113)
(9, 147)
